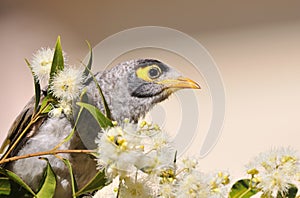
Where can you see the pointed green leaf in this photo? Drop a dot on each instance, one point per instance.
(107, 111)
(103, 121)
(87, 71)
(89, 65)
(47, 104)
(242, 189)
(16, 179)
(48, 187)
(57, 63)
(5, 188)
(37, 87)
(73, 182)
(291, 193)
(98, 182)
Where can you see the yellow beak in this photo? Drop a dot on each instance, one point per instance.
(180, 83)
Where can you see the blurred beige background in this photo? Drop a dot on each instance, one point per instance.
(256, 45)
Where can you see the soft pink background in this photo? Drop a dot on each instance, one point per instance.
(256, 45)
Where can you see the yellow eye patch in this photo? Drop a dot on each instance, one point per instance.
(148, 73)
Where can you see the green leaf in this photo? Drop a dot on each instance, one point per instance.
(107, 111)
(103, 121)
(5, 188)
(57, 63)
(37, 88)
(98, 182)
(242, 189)
(73, 181)
(48, 187)
(89, 65)
(16, 179)
(87, 71)
(291, 193)
(47, 104)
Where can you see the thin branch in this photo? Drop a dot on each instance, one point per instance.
(52, 152)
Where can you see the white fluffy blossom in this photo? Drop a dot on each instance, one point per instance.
(126, 187)
(274, 171)
(61, 108)
(67, 84)
(118, 152)
(144, 161)
(189, 164)
(123, 150)
(109, 191)
(167, 190)
(198, 184)
(41, 63)
(193, 184)
(135, 188)
(218, 184)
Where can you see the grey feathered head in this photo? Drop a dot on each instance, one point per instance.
(132, 88)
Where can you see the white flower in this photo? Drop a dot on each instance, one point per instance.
(55, 112)
(61, 107)
(130, 186)
(218, 184)
(166, 190)
(67, 84)
(41, 63)
(109, 191)
(133, 147)
(193, 184)
(160, 140)
(117, 152)
(189, 164)
(275, 170)
(157, 160)
(127, 187)
(135, 188)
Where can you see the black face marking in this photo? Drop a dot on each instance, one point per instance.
(148, 62)
(146, 90)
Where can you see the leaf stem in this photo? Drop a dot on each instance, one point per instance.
(244, 193)
(43, 153)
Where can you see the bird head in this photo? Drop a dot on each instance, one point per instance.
(154, 79)
(134, 87)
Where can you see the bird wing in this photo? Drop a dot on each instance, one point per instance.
(18, 126)
(87, 125)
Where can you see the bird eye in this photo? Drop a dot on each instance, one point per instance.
(154, 72)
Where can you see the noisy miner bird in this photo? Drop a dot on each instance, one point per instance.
(131, 89)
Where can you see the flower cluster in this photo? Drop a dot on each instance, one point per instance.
(122, 150)
(191, 182)
(66, 85)
(141, 162)
(275, 171)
